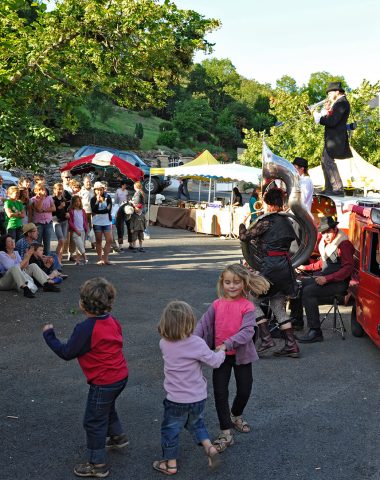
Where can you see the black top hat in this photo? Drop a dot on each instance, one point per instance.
(326, 224)
(332, 86)
(301, 162)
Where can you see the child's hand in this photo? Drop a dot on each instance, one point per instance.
(48, 326)
(221, 347)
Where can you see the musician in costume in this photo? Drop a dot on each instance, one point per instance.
(267, 245)
(334, 119)
(330, 276)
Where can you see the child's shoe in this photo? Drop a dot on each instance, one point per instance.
(141, 249)
(117, 441)
(91, 470)
(57, 280)
(223, 441)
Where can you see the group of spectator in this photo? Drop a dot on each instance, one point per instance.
(74, 212)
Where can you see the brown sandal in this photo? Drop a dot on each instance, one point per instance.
(239, 424)
(223, 441)
(167, 470)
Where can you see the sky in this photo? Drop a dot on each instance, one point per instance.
(266, 39)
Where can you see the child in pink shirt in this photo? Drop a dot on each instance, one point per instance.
(229, 325)
(185, 385)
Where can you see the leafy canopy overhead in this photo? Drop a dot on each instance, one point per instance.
(50, 61)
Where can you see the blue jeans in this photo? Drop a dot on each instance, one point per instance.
(101, 419)
(176, 417)
(45, 231)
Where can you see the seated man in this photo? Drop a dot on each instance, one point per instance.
(330, 276)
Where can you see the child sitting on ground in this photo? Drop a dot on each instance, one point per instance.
(185, 385)
(138, 225)
(46, 264)
(97, 342)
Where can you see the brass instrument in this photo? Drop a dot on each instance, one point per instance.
(258, 206)
(275, 167)
(316, 105)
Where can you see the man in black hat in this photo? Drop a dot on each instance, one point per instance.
(330, 276)
(306, 184)
(336, 137)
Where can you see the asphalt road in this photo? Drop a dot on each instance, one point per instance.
(316, 417)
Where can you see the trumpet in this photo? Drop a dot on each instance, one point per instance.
(316, 105)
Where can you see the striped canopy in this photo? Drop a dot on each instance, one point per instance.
(107, 159)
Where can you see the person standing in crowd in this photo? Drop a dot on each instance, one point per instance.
(41, 213)
(332, 276)
(24, 182)
(182, 189)
(78, 227)
(97, 343)
(101, 205)
(66, 179)
(255, 196)
(336, 136)
(25, 200)
(121, 195)
(14, 211)
(60, 219)
(237, 199)
(138, 197)
(184, 405)
(138, 226)
(306, 184)
(86, 193)
(268, 244)
(3, 197)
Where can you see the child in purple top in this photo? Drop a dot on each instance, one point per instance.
(229, 325)
(185, 385)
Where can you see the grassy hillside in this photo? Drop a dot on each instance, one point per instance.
(124, 121)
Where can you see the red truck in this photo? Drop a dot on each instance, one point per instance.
(364, 233)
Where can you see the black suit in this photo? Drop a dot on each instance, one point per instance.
(336, 142)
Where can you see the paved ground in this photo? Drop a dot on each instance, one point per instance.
(313, 418)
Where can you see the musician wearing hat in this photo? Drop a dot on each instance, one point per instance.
(336, 136)
(329, 276)
(306, 184)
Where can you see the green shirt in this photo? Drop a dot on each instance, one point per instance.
(15, 206)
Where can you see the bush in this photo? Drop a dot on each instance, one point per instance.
(188, 152)
(139, 130)
(165, 126)
(168, 138)
(145, 113)
(102, 137)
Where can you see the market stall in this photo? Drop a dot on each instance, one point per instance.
(212, 218)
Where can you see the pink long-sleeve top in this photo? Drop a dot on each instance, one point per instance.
(184, 381)
(43, 217)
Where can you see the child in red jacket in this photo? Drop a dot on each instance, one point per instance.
(97, 342)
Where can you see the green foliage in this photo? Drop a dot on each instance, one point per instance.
(102, 137)
(192, 118)
(49, 61)
(168, 138)
(298, 135)
(145, 113)
(165, 126)
(139, 130)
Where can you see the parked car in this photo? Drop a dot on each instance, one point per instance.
(155, 185)
(8, 179)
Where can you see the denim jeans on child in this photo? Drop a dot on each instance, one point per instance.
(221, 378)
(101, 419)
(176, 417)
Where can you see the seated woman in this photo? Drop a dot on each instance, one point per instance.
(17, 273)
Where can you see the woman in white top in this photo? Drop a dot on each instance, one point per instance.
(121, 195)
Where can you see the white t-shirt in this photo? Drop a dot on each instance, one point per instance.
(307, 190)
(121, 196)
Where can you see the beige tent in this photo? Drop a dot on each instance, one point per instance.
(355, 172)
